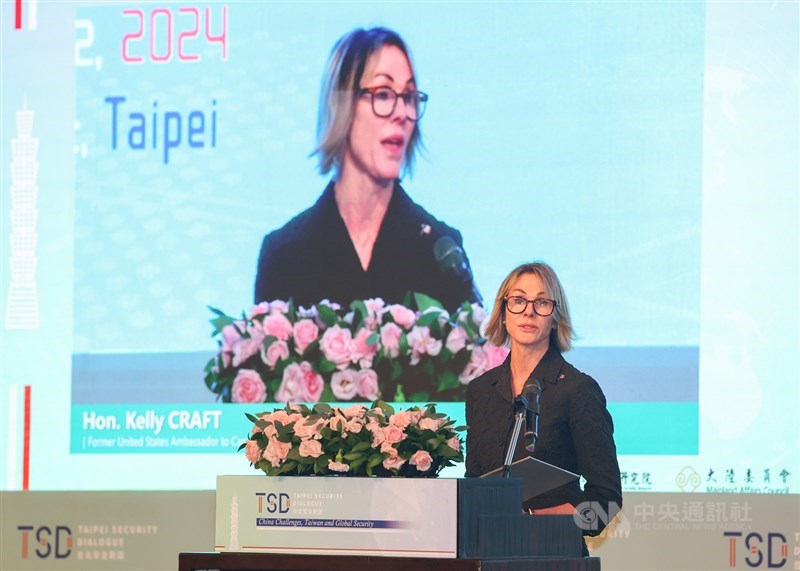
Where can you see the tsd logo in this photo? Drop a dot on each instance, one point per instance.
(45, 541)
(589, 515)
(777, 549)
(274, 503)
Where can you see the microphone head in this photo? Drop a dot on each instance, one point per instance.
(451, 258)
(532, 389)
(443, 247)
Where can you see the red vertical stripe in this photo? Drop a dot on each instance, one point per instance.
(18, 15)
(26, 442)
(733, 553)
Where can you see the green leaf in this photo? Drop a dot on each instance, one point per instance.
(425, 301)
(448, 380)
(360, 312)
(327, 315)
(374, 460)
(386, 408)
(361, 446)
(426, 319)
(355, 464)
(323, 408)
(446, 452)
(373, 339)
(397, 369)
(326, 366)
(327, 394)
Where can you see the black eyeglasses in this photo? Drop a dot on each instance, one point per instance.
(384, 101)
(541, 306)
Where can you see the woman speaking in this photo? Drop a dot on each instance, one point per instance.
(365, 237)
(575, 429)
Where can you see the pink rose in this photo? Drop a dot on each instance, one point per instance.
(415, 416)
(495, 355)
(260, 309)
(231, 336)
(304, 430)
(336, 345)
(393, 434)
(400, 419)
(278, 306)
(475, 367)
(367, 384)
(430, 424)
(393, 461)
(422, 460)
(343, 384)
(403, 316)
(390, 339)
(353, 411)
(252, 452)
(305, 333)
(276, 452)
(337, 466)
(291, 389)
(313, 384)
(454, 443)
(277, 325)
(248, 387)
(284, 417)
(354, 426)
(375, 309)
(362, 352)
(377, 433)
(337, 423)
(278, 351)
(421, 343)
(456, 339)
(478, 315)
(300, 383)
(310, 448)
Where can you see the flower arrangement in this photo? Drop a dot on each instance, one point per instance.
(281, 353)
(354, 441)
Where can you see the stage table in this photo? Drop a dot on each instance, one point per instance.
(230, 561)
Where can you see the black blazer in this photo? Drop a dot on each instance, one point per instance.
(575, 431)
(312, 258)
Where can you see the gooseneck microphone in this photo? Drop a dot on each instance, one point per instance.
(451, 259)
(532, 390)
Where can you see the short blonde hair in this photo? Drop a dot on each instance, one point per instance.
(340, 92)
(562, 335)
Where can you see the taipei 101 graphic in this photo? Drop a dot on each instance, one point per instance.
(22, 305)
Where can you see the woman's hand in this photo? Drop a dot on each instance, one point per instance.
(563, 509)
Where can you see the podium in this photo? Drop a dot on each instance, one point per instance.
(332, 523)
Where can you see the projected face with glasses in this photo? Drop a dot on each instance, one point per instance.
(384, 101)
(386, 114)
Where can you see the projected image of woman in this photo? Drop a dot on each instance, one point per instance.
(575, 430)
(365, 237)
